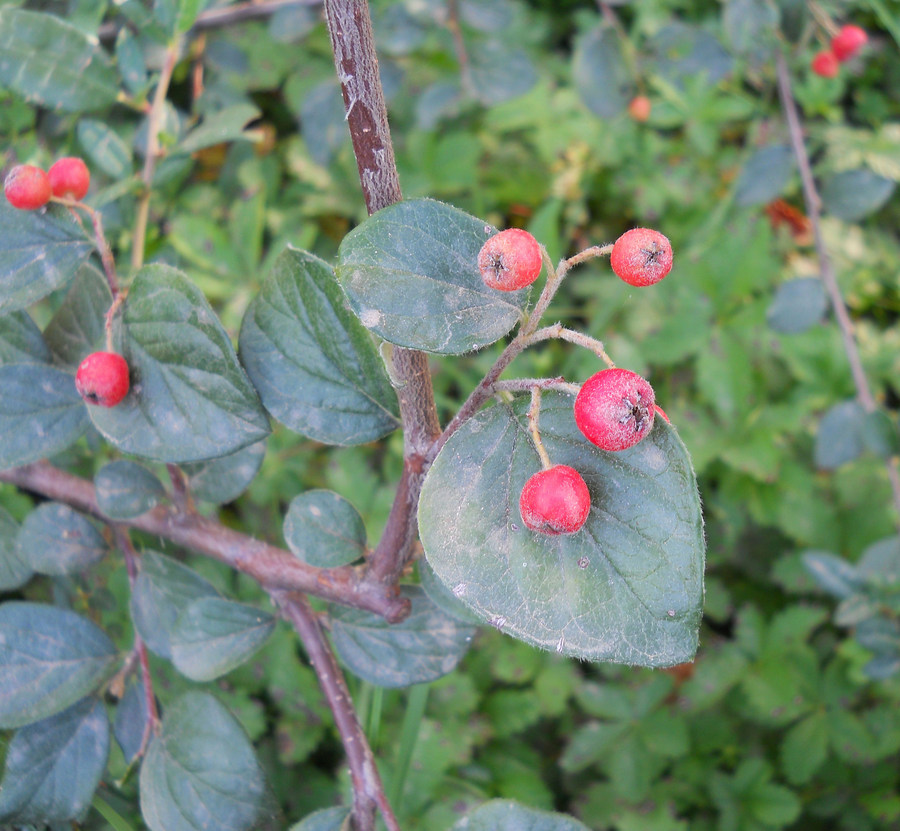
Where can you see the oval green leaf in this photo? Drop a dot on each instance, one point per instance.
(853, 194)
(601, 76)
(506, 815)
(55, 539)
(315, 366)
(327, 819)
(14, 568)
(626, 588)
(105, 148)
(226, 478)
(798, 304)
(49, 659)
(410, 272)
(189, 399)
(126, 489)
(839, 437)
(21, 341)
(324, 529)
(765, 175)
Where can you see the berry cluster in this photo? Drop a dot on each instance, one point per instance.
(844, 45)
(28, 187)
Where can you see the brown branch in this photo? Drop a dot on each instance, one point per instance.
(813, 210)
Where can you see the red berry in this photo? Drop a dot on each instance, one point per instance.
(102, 379)
(510, 260)
(555, 501)
(825, 64)
(615, 409)
(27, 187)
(639, 108)
(848, 41)
(641, 257)
(69, 178)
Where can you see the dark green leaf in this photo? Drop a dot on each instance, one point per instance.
(411, 275)
(322, 121)
(627, 588)
(163, 588)
(213, 635)
(315, 367)
(125, 489)
(49, 659)
(292, 23)
(853, 194)
(500, 71)
(130, 62)
(680, 51)
(832, 573)
(189, 398)
(328, 819)
(506, 815)
(54, 64)
(41, 413)
(55, 539)
(442, 597)
(839, 438)
(131, 717)
(879, 434)
(77, 328)
(105, 148)
(425, 646)
(21, 341)
(601, 76)
(798, 304)
(324, 529)
(53, 767)
(14, 568)
(39, 252)
(226, 478)
(200, 772)
(765, 175)
(774, 805)
(223, 126)
(750, 26)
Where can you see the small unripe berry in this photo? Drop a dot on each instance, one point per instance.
(510, 260)
(825, 64)
(555, 501)
(69, 178)
(615, 409)
(102, 379)
(27, 187)
(639, 108)
(641, 257)
(848, 41)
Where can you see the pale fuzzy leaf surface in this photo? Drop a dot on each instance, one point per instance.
(201, 772)
(410, 272)
(77, 328)
(628, 587)
(49, 659)
(56, 539)
(425, 646)
(315, 366)
(226, 478)
(39, 252)
(126, 489)
(54, 766)
(189, 398)
(21, 341)
(324, 529)
(14, 568)
(506, 815)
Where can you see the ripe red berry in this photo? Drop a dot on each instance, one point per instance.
(510, 260)
(555, 501)
(27, 187)
(639, 108)
(825, 64)
(615, 409)
(102, 379)
(69, 178)
(848, 41)
(641, 257)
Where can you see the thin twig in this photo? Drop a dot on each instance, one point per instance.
(459, 46)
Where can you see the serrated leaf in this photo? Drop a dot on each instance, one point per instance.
(54, 766)
(77, 328)
(626, 588)
(226, 478)
(21, 341)
(506, 815)
(327, 819)
(832, 573)
(500, 71)
(411, 275)
(14, 568)
(105, 148)
(224, 126)
(314, 365)
(853, 194)
(39, 252)
(126, 489)
(189, 397)
(213, 635)
(425, 646)
(201, 771)
(162, 589)
(797, 305)
(41, 413)
(765, 175)
(839, 437)
(49, 61)
(324, 529)
(49, 659)
(55, 539)
(600, 74)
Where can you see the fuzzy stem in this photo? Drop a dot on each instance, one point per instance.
(534, 415)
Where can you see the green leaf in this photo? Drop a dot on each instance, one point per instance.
(879, 434)
(442, 597)
(324, 529)
(765, 175)
(500, 71)
(126, 489)
(21, 341)
(39, 252)
(53, 767)
(839, 437)
(55, 539)
(680, 51)
(600, 73)
(49, 659)
(77, 328)
(410, 272)
(226, 478)
(41, 413)
(14, 568)
(627, 588)
(505, 815)
(798, 305)
(833, 573)
(881, 560)
(189, 399)
(853, 194)
(805, 748)
(774, 805)
(52, 63)
(750, 26)
(213, 635)
(131, 717)
(200, 772)
(105, 149)
(162, 589)
(223, 126)
(328, 819)
(314, 365)
(131, 64)
(187, 14)
(425, 646)
(322, 121)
